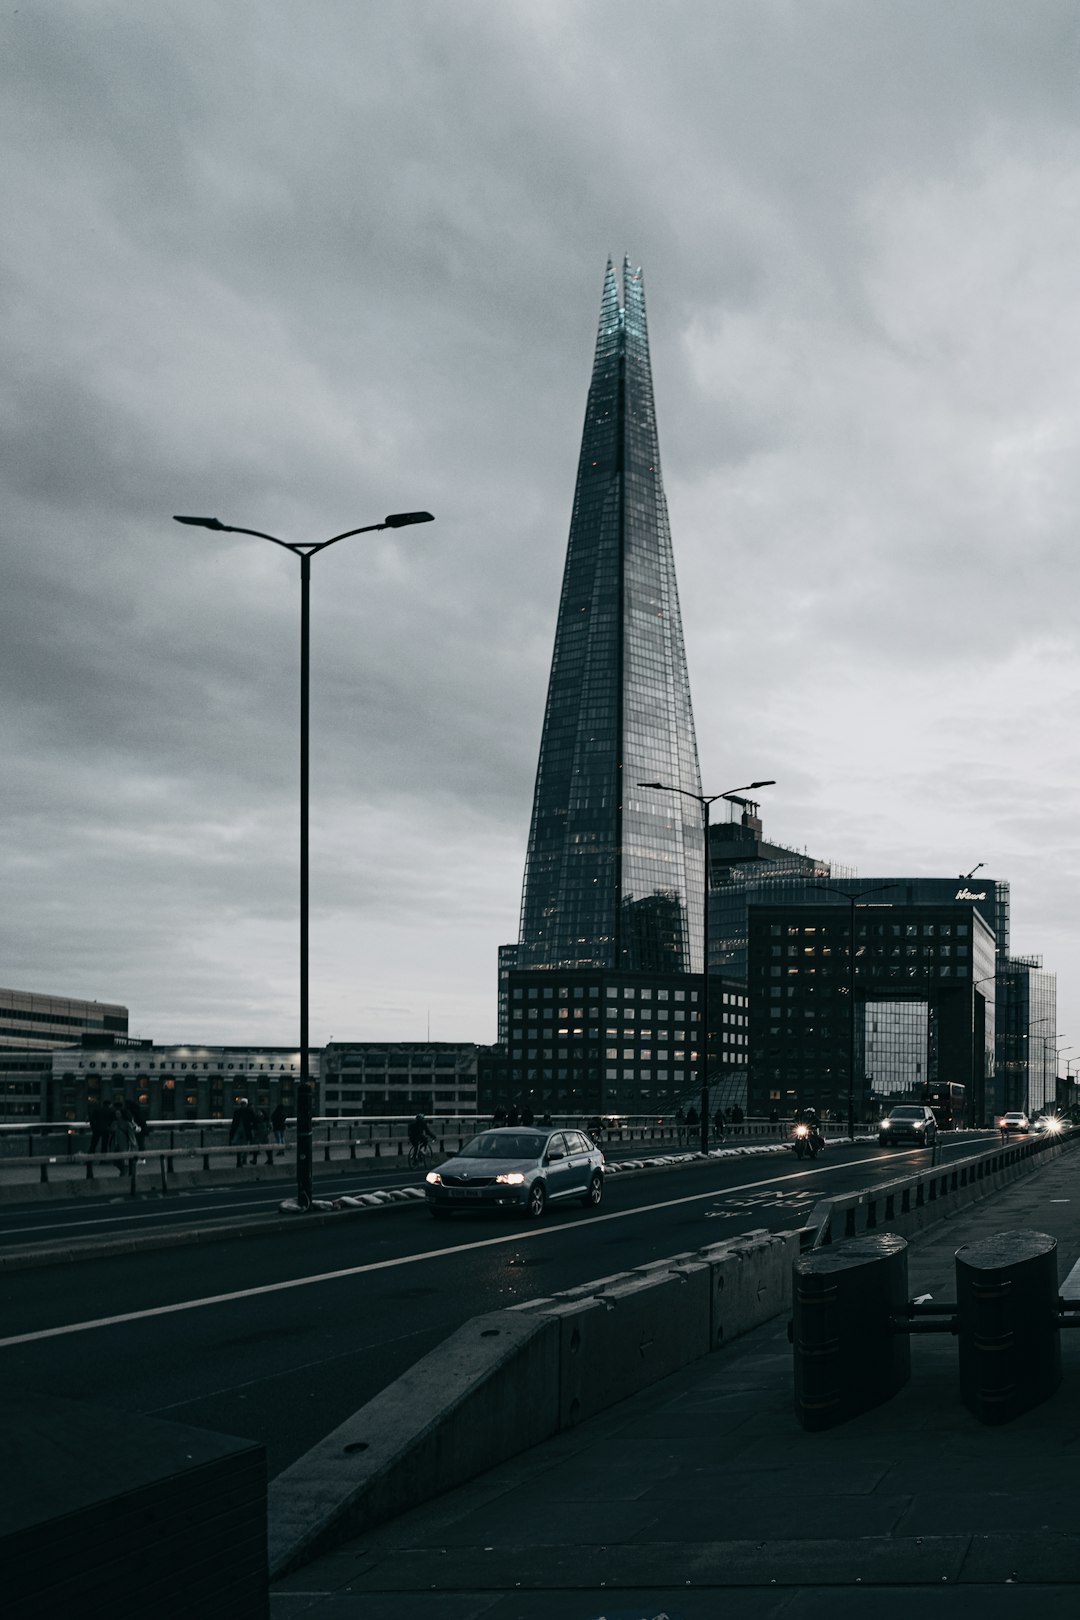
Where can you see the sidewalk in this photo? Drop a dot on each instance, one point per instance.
(703, 1497)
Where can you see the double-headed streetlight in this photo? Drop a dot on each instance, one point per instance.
(851, 896)
(706, 801)
(305, 552)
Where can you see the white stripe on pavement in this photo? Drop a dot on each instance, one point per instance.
(407, 1259)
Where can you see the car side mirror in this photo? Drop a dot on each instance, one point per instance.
(556, 1153)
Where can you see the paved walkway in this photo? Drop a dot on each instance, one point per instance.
(703, 1497)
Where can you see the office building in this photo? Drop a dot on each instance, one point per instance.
(595, 1042)
(379, 1078)
(1026, 1036)
(32, 1027)
(614, 873)
(917, 1003)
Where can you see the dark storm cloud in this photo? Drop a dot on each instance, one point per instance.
(299, 267)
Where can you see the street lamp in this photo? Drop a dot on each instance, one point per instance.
(706, 802)
(851, 895)
(305, 552)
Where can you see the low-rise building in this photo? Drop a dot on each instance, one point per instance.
(173, 1083)
(399, 1077)
(33, 1026)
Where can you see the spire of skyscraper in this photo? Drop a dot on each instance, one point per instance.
(614, 874)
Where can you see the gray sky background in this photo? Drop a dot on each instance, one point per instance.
(301, 266)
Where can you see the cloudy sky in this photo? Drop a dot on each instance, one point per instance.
(298, 266)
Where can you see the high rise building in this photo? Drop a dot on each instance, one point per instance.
(614, 875)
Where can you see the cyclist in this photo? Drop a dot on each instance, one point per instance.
(420, 1134)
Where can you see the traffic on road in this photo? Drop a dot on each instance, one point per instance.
(279, 1337)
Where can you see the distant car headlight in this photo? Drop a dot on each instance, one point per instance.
(886, 1124)
(433, 1178)
(511, 1178)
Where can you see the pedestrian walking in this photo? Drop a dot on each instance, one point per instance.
(237, 1125)
(101, 1119)
(138, 1119)
(719, 1123)
(278, 1120)
(123, 1139)
(737, 1117)
(680, 1125)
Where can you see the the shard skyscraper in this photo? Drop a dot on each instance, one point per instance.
(614, 875)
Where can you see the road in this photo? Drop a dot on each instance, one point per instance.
(279, 1338)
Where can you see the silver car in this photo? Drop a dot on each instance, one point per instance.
(520, 1169)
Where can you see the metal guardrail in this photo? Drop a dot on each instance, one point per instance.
(57, 1138)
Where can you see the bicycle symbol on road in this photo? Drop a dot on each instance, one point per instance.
(768, 1198)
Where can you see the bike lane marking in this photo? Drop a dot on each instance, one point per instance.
(403, 1260)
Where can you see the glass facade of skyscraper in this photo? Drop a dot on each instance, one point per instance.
(614, 873)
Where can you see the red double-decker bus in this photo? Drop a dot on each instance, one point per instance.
(949, 1104)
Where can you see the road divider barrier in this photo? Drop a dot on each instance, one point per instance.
(931, 1194)
(510, 1379)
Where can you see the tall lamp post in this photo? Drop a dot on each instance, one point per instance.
(851, 896)
(706, 801)
(305, 552)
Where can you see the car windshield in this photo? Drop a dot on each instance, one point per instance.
(906, 1113)
(1014, 1116)
(504, 1145)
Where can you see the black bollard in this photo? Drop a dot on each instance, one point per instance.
(848, 1356)
(1007, 1323)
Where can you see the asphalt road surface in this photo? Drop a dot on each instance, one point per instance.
(279, 1338)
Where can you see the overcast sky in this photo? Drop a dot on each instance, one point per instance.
(298, 266)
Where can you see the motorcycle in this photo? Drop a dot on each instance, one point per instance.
(807, 1139)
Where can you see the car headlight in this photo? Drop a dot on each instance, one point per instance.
(433, 1178)
(886, 1124)
(511, 1178)
(920, 1124)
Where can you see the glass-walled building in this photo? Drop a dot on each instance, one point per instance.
(614, 874)
(1026, 1036)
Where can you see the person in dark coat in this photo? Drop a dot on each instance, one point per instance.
(237, 1126)
(100, 1125)
(138, 1119)
(737, 1117)
(122, 1137)
(278, 1121)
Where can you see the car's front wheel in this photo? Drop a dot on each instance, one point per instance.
(537, 1201)
(595, 1195)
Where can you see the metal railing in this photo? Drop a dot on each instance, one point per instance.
(63, 1139)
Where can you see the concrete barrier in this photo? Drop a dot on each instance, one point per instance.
(932, 1194)
(509, 1379)
(488, 1392)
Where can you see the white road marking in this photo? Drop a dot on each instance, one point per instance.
(389, 1265)
(1070, 1288)
(187, 1211)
